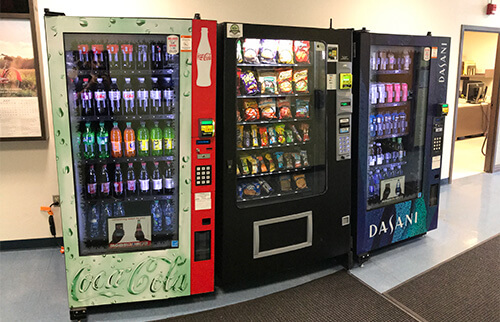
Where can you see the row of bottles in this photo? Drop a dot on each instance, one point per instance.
(375, 179)
(386, 152)
(148, 182)
(153, 141)
(388, 123)
(390, 60)
(101, 97)
(388, 92)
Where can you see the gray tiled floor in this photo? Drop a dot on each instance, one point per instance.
(32, 282)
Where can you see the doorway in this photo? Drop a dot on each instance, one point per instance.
(476, 104)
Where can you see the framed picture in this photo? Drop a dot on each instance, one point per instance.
(21, 94)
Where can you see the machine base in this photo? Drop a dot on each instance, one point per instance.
(78, 314)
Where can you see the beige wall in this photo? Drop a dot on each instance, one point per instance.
(28, 170)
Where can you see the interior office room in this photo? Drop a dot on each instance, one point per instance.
(406, 281)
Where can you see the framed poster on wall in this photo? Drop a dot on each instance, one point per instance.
(21, 95)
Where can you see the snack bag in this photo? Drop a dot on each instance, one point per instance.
(268, 48)
(254, 163)
(289, 161)
(238, 173)
(250, 110)
(280, 132)
(296, 133)
(268, 83)
(285, 112)
(272, 135)
(247, 138)
(289, 136)
(263, 136)
(305, 161)
(239, 55)
(296, 157)
(280, 160)
(285, 183)
(265, 186)
(250, 86)
(267, 108)
(285, 77)
(239, 136)
(305, 131)
(285, 51)
(238, 115)
(262, 164)
(244, 165)
(302, 108)
(239, 190)
(301, 51)
(251, 189)
(251, 50)
(270, 161)
(255, 136)
(238, 81)
(300, 81)
(300, 181)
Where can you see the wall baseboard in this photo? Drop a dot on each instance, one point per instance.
(444, 181)
(496, 168)
(31, 243)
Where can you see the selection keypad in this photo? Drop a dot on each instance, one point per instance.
(436, 144)
(203, 175)
(344, 145)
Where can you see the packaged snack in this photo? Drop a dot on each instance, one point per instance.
(300, 181)
(239, 55)
(265, 186)
(280, 160)
(289, 136)
(296, 157)
(302, 108)
(268, 83)
(238, 115)
(251, 50)
(296, 133)
(301, 51)
(254, 164)
(289, 161)
(285, 183)
(255, 135)
(250, 86)
(270, 162)
(285, 78)
(280, 132)
(239, 190)
(244, 165)
(267, 108)
(305, 131)
(247, 138)
(263, 136)
(305, 161)
(238, 173)
(262, 164)
(285, 51)
(238, 81)
(300, 81)
(251, 110)
(285, 112)
(268, 49)
(272, 135)
(251, 189)
(239, 136)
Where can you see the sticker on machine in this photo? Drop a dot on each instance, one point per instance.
(427, 53)
(129, 232)
(331, 82)
(434, 52)
(436, 162)
(234, 30)
(186, 44)
(333, 53)
(202, 201)
(392, 188)
(172, 45)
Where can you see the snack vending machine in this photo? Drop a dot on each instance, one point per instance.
(133, 105)
(284, 106)
(400, 95)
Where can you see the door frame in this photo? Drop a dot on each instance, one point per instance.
(489, 165)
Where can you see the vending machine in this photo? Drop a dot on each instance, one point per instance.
(133, 104)
(399, 98)
(284, 179)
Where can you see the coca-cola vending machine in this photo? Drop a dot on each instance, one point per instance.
(133, 104)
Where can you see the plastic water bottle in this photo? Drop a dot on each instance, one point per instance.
(371, 185)
(398, 172)
(118, 210)
(157, 217)
(380, 124)
(387, 124)
(395, 122)
(385, 174)
(107, 212)
(169, 215)
(376, 185)
(390, 173)
(373, 125)
(94, 221)
(380, 154)
(372, 157)
(402, 121)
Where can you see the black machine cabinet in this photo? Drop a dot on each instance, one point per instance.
(284, 155)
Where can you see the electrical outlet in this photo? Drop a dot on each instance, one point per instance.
(56, 198)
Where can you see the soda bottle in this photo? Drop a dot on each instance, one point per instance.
(380, 154)
(401, 150)
(78, 144)
(373, 125)
(157, 217)
(114, 97)
(139, 234)
(129, 135)
(398, 188)
(131, 182)
(169, 138)
(104, 182)
(127, 55)
(155, 95)
(88, 142)
(74, 97)
(142, 56)
(169, 215)
(91, 183)
(170, 50)
(102, 142)
(98, 56)
(143, 139)
(371, 185)
(116, 141)
(118, 210)
(395, 152)
(86, 99)
(380, 124)
(142, 96)
(390, 174)
(204, 60)
(168, 180)
(402, 122)
(129, 97)
(398, 172)
(156, 62)
(156, 178)
(376, 184)
(83, 56)
(373, 157)
(100, 98)
(395, 122)
(387, 123)
(168, 94)
(94, 222)
(118, 184)
(113, 56)
(156, 140)
(144, 180)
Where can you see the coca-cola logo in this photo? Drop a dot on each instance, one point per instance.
(205, 57)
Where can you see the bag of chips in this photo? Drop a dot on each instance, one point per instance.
(296, 133)
(298, 162)
(247, 139)
(268, 49)
(239, 190)
(251, 50)
(271, 132)
(238, 81)
(305, 131)
(250, 110)
(289, 161)
(239, 55)
(238, 115)
(289, 136)
(239, 136)
(285, 183)
(300, 181)
(280, 160)
(300, 81)
(249, 81)
(270, 162)
(302, 108)
(285, 51)
(267, 108)
(244, 165)
(285, 112)
(268, 83)
(262, 164)
(285, 78)
(263, 136)
(305, 160)
(251, 189)
(301, 50)
(280, 132)
(255, 135)
(254, 164)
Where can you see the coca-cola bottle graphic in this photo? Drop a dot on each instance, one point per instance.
(204, 60)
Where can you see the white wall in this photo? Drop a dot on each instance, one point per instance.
(36, 177)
